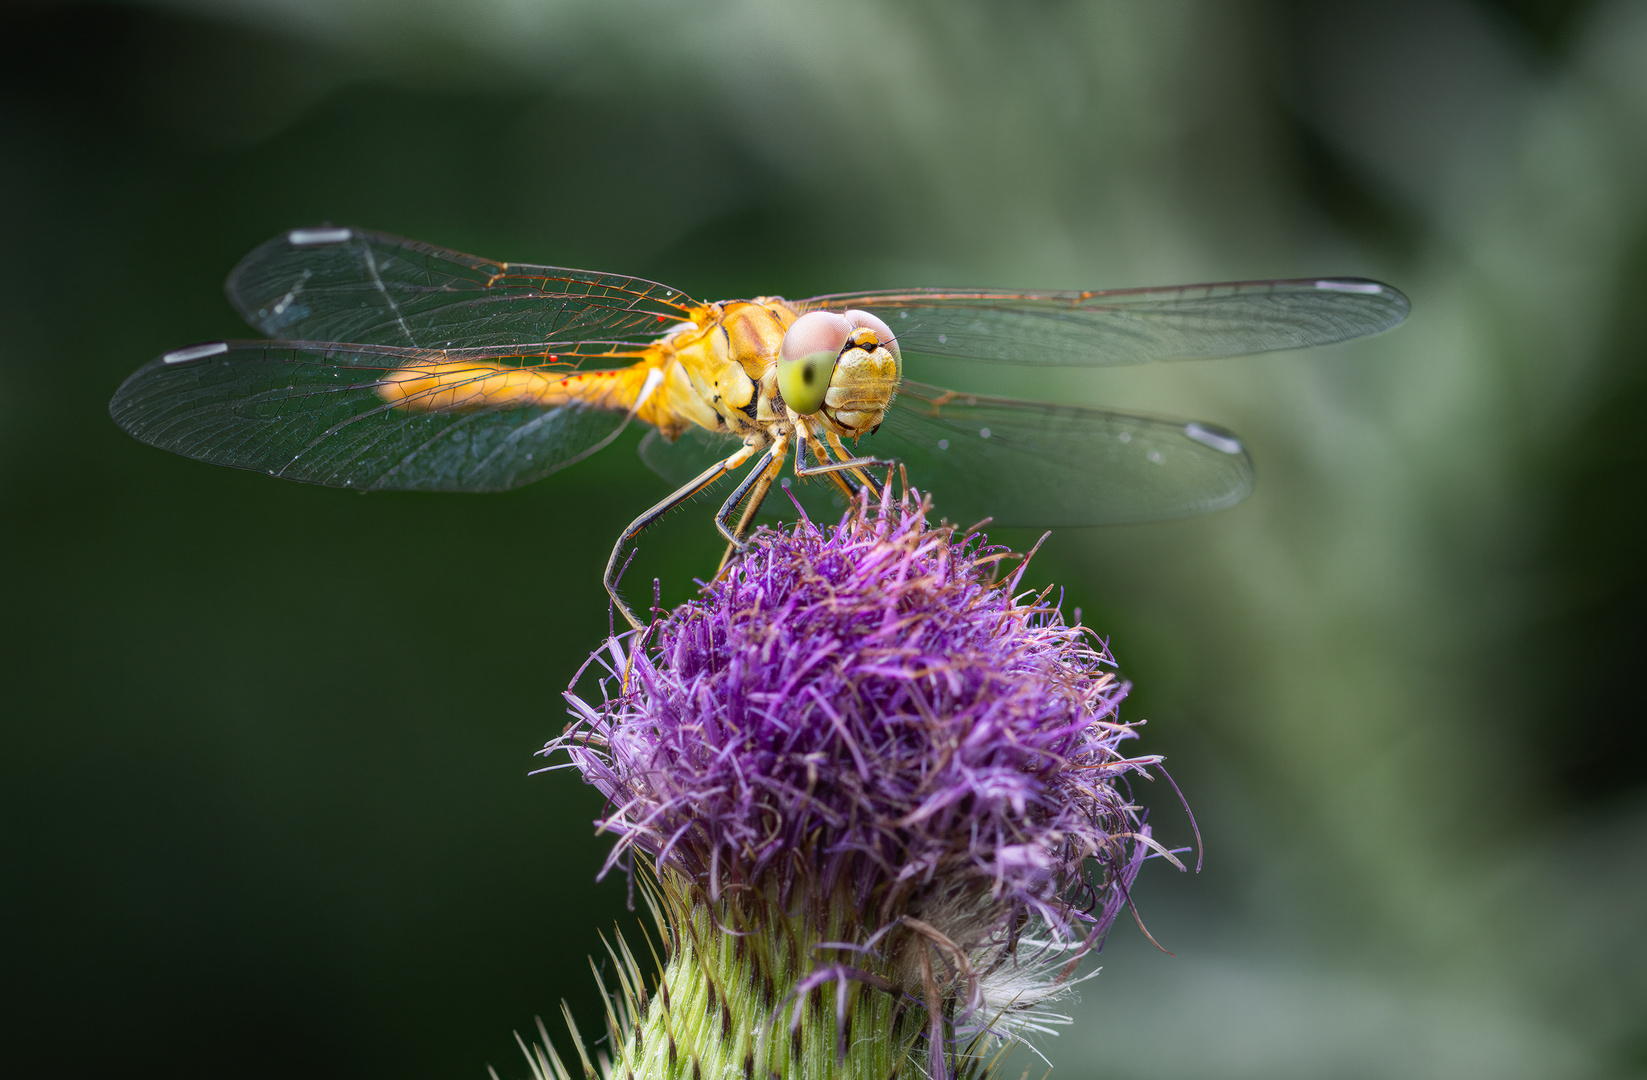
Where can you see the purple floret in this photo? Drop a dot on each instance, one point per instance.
(862, 714)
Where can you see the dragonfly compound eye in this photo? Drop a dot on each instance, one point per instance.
(806, 360)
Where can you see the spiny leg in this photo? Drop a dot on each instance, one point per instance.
(755, 485)
(803, 440)
(851, 463)
(750, 480)
(703, 480)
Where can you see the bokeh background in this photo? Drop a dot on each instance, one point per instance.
(266, 807)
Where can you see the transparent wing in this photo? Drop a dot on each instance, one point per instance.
(1039, 464)
(1129, 326)
(335, 284)
(688, 456)
(312, 412)
(1030, 463)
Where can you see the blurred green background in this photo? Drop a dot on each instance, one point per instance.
(266, 811)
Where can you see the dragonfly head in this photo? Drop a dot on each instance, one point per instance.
(833, 359)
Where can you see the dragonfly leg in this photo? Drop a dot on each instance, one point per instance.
(755, 485)
(616, 562)
(848, 463)
(803, 440)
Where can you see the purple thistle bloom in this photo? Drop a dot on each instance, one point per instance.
(858, 731)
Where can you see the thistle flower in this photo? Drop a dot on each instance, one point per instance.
(880, 800)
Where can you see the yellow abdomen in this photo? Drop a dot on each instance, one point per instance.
(713, 371)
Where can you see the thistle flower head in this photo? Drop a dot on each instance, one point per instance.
(861, 728)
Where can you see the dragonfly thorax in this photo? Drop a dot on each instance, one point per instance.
(736, 352)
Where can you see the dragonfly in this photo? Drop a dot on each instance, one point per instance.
(400, 365)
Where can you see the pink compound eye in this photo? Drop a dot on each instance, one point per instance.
(806, 359)
(813, 333)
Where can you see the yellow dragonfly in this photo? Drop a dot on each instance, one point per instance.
(401, 365)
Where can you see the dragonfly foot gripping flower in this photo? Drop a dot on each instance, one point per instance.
(882, 798)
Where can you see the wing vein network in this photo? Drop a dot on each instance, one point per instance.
(377, 280)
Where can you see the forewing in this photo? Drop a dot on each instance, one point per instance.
(1035, 464)
(354, 285)
(1129, 326)
(311, 412)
